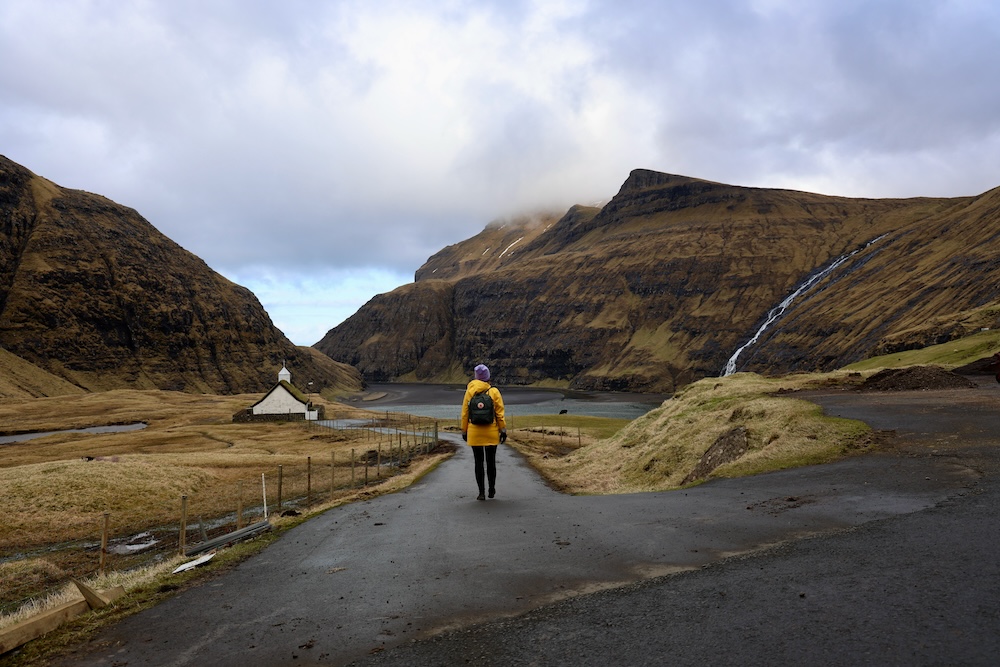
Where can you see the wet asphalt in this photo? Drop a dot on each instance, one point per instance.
(888, 558)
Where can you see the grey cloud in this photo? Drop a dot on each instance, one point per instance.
(843, 80)
(303, 135)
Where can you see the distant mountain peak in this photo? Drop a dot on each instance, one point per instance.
(665, 282)
(640, 179)
(93, 293)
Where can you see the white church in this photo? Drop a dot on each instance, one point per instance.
(283, 401)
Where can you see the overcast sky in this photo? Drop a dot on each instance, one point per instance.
(320, 152)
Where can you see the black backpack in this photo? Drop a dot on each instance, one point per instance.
(481, 409)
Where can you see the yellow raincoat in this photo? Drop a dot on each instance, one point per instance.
(483, 434)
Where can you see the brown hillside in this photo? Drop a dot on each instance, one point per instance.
(664, 283)
(20, 379)
(94, 294)
(908, 291)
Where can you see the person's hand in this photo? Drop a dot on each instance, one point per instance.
(465, 436)
(503, 435)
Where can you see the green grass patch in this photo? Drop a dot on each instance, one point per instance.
(596, 427)
(949, 355)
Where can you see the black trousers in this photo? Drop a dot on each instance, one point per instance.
(489, 453)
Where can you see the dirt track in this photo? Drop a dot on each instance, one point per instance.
(885, 556)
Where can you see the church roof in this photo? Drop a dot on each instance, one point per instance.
(290, 388)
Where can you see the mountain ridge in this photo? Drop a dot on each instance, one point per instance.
(656, 288)
(92, 293)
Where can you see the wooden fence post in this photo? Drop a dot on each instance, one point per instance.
(263, 492)
(184, 520)
(239, 504)
(280, 478)
(333, 473)
(104, 542)
(378, 469)
(309, 481)
(352, 468)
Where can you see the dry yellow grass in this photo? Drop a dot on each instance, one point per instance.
(50, 583)
(21, 379)
(57, 488)
(67, 592)
(657, 451)
(119, 406)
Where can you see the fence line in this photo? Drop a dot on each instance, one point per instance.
(298, 486)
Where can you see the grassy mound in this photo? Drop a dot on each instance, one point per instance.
(743, 424)
(752, 423)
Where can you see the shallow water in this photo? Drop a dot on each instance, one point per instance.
(119, 428)
(572, 406)
(444, 401)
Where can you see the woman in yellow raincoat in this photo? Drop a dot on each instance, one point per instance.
(483, 437)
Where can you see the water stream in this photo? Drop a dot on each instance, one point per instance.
(775, 313)
(444, 401)
(116, 428)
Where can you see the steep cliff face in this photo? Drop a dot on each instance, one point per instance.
(406, 334)
(660, 286)
(93, 293)
(917, 286)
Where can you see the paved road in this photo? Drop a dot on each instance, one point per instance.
(920, 588)
(363, 582)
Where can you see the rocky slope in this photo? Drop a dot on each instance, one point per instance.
(92, 293)
(661, 286)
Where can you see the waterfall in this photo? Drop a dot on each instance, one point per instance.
(779, 310)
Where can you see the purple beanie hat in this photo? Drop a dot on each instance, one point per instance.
(482, 373)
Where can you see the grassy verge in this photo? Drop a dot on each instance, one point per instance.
(659, 450)
(541, 437)
(570, 426)
(948, 355)
(57, 488)
(151, 585)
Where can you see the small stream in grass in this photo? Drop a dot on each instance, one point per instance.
(117, 428)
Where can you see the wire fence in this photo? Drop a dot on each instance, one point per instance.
(375, 449)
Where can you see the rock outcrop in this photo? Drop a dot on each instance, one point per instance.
(92, 293)
(660, 286)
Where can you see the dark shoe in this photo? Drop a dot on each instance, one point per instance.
(493, 492)
(480, 496)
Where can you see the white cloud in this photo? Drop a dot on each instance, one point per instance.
(329, 138)
(307, 304)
